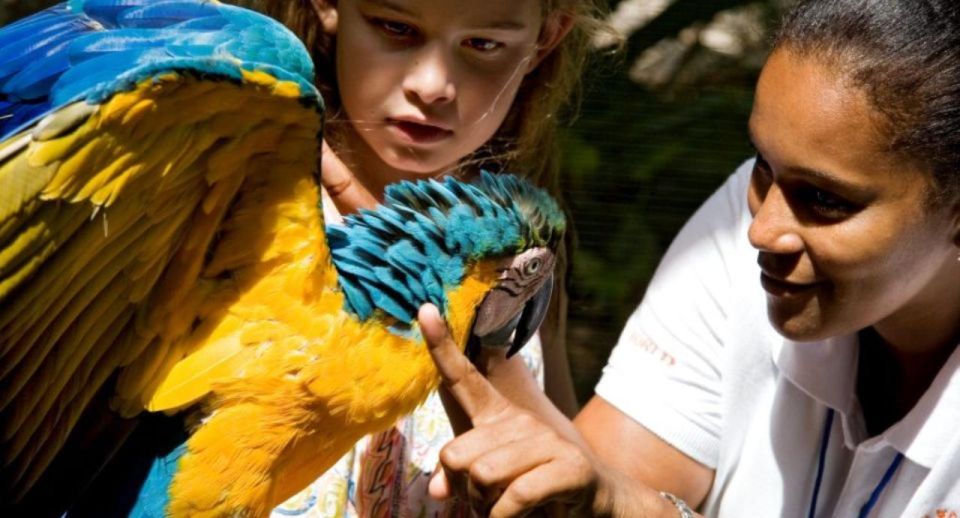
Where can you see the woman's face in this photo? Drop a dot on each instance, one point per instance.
(427, 82)
(845, 235)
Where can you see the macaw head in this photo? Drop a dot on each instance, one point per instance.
(482, 252)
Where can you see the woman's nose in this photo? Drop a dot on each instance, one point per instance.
(430, 79)
(774, 228)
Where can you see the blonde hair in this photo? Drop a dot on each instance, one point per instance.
(525, 142)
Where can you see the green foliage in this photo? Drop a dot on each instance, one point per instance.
(636, 164)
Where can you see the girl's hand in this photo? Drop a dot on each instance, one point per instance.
(512, 462)
(348, 194)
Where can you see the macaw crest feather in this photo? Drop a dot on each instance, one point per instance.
(414, 248)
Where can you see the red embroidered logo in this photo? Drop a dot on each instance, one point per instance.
(648, 346)
(942, 513)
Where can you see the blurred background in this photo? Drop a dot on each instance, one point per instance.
(661, 124)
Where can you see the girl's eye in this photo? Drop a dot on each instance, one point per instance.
(482, 44)
(394, 29)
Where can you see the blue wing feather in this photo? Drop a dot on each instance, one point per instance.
(16, 114)
(210, 23)
(163, 14)
(44, 22)
(90, 49)
(36, 77)
(98, 70)
(107, 11)
(35, 47)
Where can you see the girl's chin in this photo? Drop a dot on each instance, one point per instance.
(419, 166)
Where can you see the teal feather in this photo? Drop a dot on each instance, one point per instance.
(389, 277)
(358, 299)
(385, 297)
(353, 268)
(154, 495)
(413, 262)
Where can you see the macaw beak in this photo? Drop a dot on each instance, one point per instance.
(502, 315)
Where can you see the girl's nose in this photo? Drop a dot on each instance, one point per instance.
(430, 79)
(774, 227)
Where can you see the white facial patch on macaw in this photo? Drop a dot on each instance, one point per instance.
(525, 280)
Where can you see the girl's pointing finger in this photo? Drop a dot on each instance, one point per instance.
(478, 398)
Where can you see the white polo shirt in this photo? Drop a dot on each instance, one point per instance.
(700, 365)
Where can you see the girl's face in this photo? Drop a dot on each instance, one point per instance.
(845, 235)
(427, 82)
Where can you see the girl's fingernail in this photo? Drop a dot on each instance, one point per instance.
(438, 488)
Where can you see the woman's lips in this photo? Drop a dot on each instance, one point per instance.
(782, 288)
(418, 133)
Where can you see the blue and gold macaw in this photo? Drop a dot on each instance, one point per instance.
(178, 336)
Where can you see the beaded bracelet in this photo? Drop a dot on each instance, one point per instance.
(682, 507)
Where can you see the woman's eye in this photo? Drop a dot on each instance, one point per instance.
(394, 29)
(482, 44)
(827, 205)
(761, 165)
(762, 175)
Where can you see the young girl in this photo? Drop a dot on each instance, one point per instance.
(421, 89)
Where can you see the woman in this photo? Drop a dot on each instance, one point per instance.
(829, 387)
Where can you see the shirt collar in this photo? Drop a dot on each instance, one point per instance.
(932, 423)
(824, 370)
(827, 372)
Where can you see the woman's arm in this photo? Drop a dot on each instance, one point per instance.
(619, 441)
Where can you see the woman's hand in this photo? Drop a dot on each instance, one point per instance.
(347, 193)
(512, 461)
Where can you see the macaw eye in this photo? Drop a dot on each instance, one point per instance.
(532, 266)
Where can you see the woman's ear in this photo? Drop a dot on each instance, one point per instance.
(556, 26)
(327, 12)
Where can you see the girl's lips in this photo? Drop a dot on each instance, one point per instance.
(417, 133)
